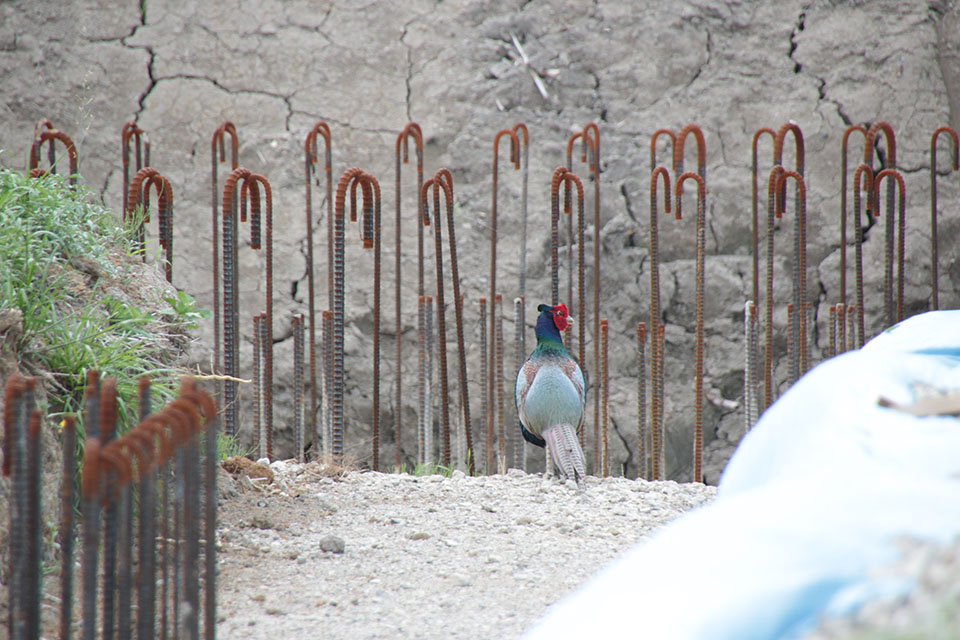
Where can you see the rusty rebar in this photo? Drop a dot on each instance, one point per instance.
(700, 260)
(841, 328)
(33, 531)
(753, 379)
(798, 365)
(854, 317)
(519, 446)
(653, 145)
(775, 173)
(257, 384)
(421, 380)
(592, 131)
(326, 408)
(515, 160)
(14, 465)
(862, 170)
(258, 434)
(428, 400)
(91, 520)
(934, 248)
(523, 135)
(310, 145)
(605, 404)
(832, 331)
(589, 156)
(108, 432)
(654, 319)
(843, 205)
(657, 463)
(217, 142)
(755, 236)
(67, 525)
(678, 154)
(247, 183)
(139, 195)
(298, 436)
(895, 176)
(445, 175)
(131, 131)
(484, 383)
(370, 236)
(440, 183)
(890, 162)
(643, 448)
(49, 135)
(555, 183)
(498, 377)
(412, 129)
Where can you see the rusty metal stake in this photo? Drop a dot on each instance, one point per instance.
(605, 413)
(755, 237)
(519, 446)
(67, 504)
(875, 130)
(772, 195)
(49, 135)
(656, 372)
(129, 131)
(643, 435)
(798, 364)
(698, 367)
(485, 410)
(862, 170)
(843, 205)
(320, 129)
(515, 160)
(934, 248)
(246, 182)
(498, 378)
(225, 129)
(412, 129)
(520, 129)
(298, 437)
(658, 463)
(258, 435)
(894, 175)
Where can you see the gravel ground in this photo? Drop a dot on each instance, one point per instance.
(370, 555)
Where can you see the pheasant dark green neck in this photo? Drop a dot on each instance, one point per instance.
(549, 339)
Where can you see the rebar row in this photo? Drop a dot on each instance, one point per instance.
(163, 450)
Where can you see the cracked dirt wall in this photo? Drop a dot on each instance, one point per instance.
(274, 68)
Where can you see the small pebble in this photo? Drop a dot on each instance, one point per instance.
(332, 544)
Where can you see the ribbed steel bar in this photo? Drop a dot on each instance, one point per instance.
(326, 345)
(498, 378)
(654, 319)
(768, 299)
(485, 407)
(49, 135)
(422, 379)
(592, 131)
(698, 366)
(298, 364)
(798, 364)
(91, 539)
(33, 533)
(844, 153)
(14, 449)
(108, 432)
(755, 236)
(445, 176)
(657, 463)
(258, 441)
(555, 183)
(832, 330)
(653, 145)
(934, 246)
(519, 447)
(67, 525)
(643, 431)
(130, 131)
(217, 142)
(753, 358)
(895, 176)
(876, 130)
(411, 130)
(515, 160)
(841, 328)
(605, 404)
(867, 173)
(520, 129)
(311, 148)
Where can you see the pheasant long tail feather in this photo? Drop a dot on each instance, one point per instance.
(566, 452)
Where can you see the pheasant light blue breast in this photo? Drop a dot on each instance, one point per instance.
(550, 396)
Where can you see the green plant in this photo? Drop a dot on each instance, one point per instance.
(62, 265)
